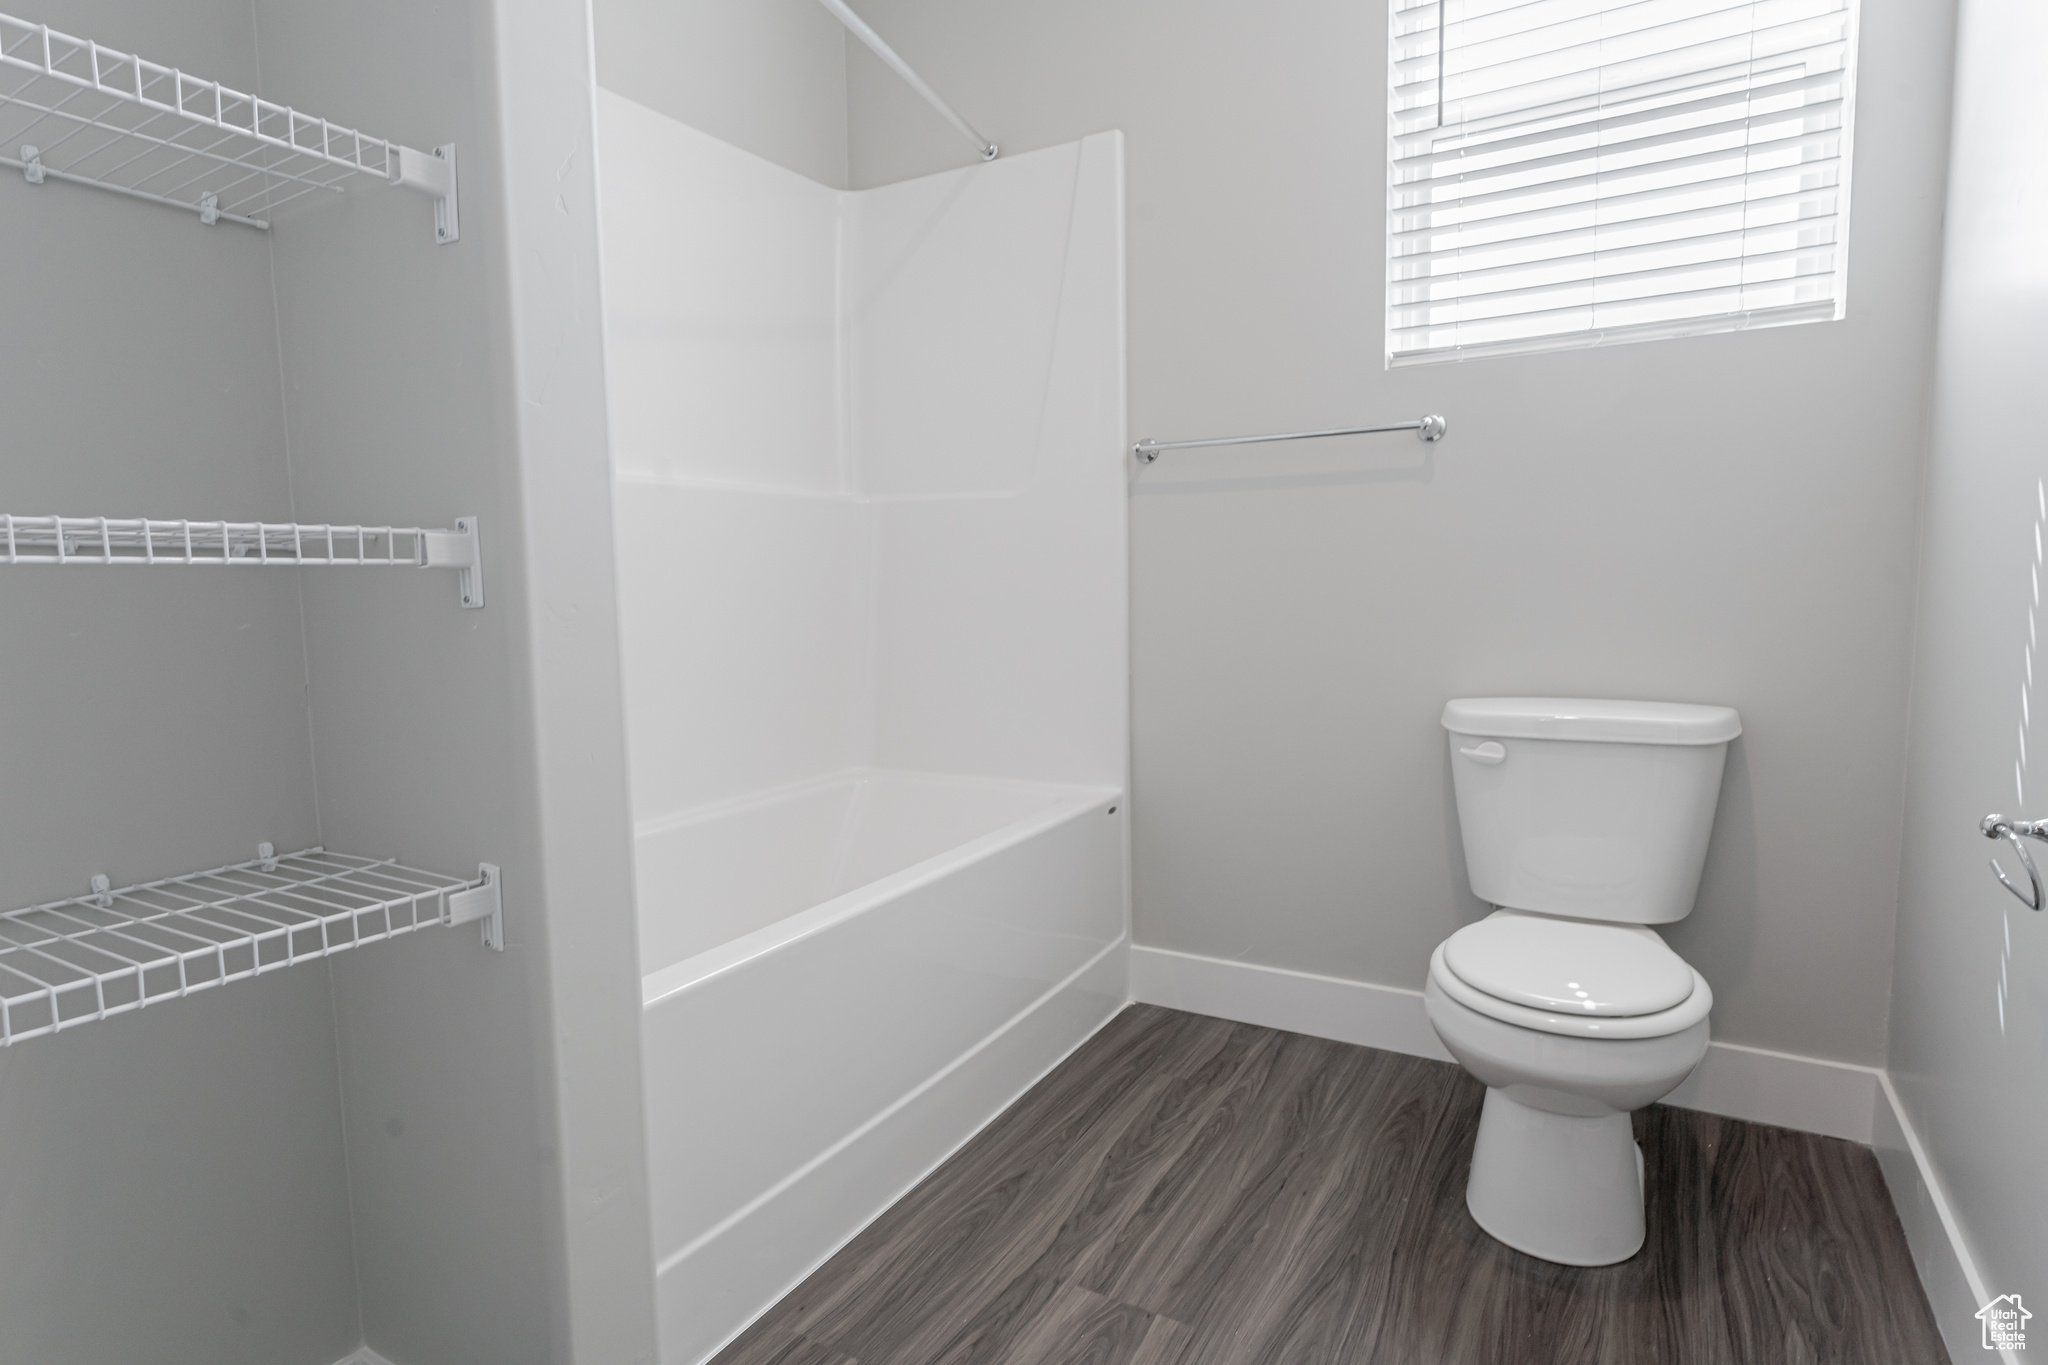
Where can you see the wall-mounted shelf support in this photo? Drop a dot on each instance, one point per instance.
(461, 550)
(480, 901)
(91, 115)
(144, 542)
(115, 950)
(432, 174)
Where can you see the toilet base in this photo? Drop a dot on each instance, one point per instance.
(1559, 1186)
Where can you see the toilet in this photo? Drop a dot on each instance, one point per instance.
(1584, 823)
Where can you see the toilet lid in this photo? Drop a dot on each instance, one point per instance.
(1590, 970)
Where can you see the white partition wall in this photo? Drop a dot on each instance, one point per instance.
(871, 535)
(985, 352)
(742, 559)
(870, 512)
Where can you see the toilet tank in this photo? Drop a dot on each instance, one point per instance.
(1594, 809)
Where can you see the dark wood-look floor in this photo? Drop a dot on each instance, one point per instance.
(1185, 1191)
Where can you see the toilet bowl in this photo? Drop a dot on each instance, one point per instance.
(1555, 1172)
(1585, 822)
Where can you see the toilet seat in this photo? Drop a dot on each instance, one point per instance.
(1696, 1005)
(1569, 966)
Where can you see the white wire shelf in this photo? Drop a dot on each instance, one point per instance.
(145, 542)
(76, 110)
(112, 951)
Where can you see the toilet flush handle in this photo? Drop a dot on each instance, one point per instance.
(1490, 753)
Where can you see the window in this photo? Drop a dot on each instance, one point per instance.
(1581, 172)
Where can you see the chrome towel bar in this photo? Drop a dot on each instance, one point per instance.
(1429, 428)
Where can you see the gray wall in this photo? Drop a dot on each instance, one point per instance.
(1723, 519)
(1969, 1077)
(171, 1182)
(214, 1180)
(399, 387)
(768, 76)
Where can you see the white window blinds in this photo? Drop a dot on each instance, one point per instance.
(1576, 172)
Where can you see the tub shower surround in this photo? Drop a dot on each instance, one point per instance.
(870, 503)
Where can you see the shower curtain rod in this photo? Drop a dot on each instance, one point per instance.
(858, 27)
(1430, 428)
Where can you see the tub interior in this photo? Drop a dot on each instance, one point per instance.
(709, 876)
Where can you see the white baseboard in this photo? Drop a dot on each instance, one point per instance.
(1778, 1088)
(1783, 1089)
(1941, 1251)
(1809, 1094)
(1385, 1017)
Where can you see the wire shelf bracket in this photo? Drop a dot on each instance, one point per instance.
(146, 542)
(111, 951)
(92, 115)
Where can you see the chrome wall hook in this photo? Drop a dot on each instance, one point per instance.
(1998, 827)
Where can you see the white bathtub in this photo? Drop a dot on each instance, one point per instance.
(843, 981)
